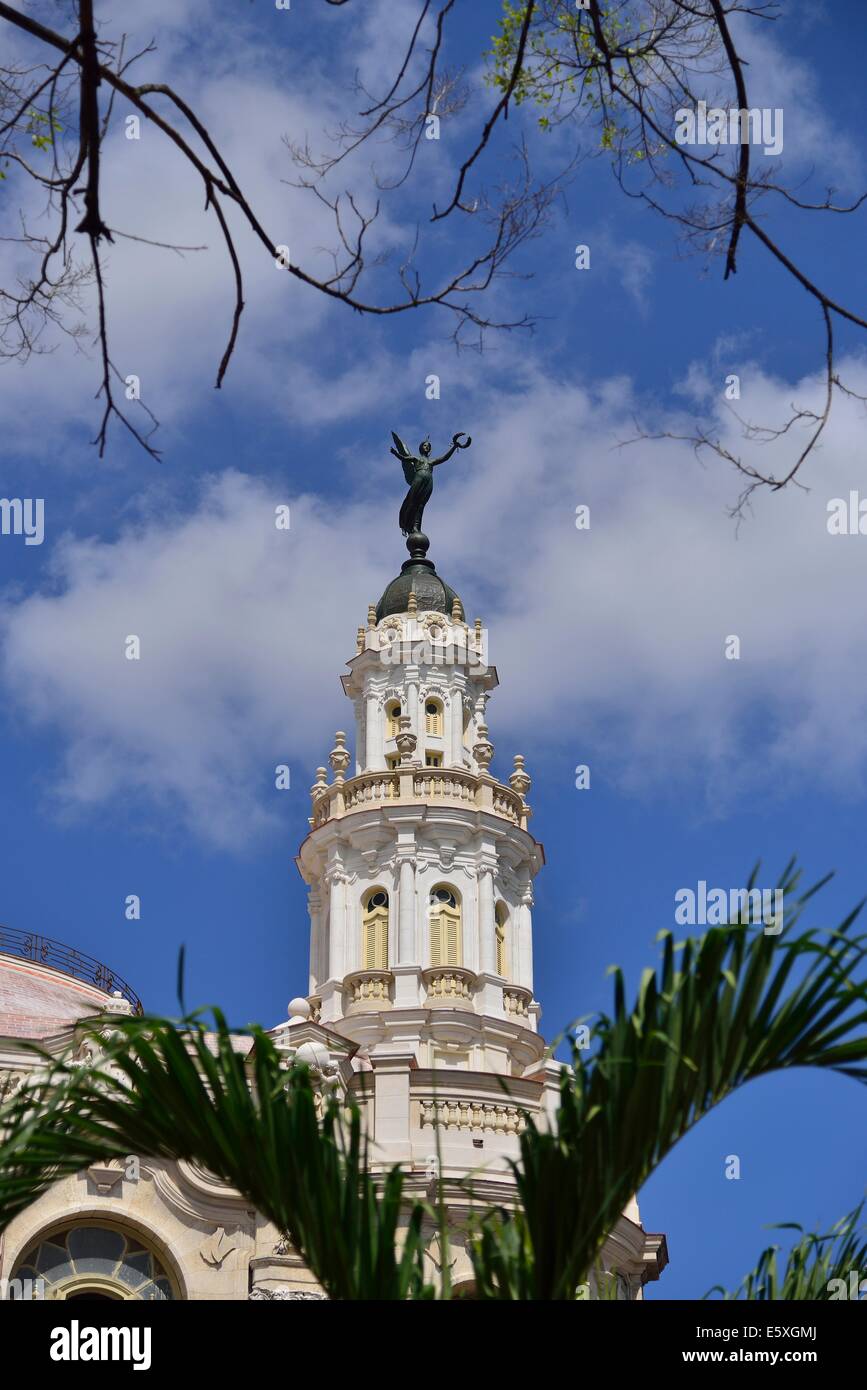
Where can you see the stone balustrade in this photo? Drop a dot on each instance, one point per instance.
(368, 990)
(471, 1114)
(448, 984)
(410, 784)
(517, 1001)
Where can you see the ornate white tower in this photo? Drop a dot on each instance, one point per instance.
(420, 864)
(420, 1010)
(420, 869)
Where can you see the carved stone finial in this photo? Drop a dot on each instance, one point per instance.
(483, 749)
(359, 640)
(371, 615)
(520, 781)
(405, 741)
(299, 1010)
(457, 610)
(118, 1004)
(478, 629)
(412, 604)
(339, 756)
(320, 786)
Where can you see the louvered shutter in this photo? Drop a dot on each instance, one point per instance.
(453, 956)
(369, 945)
(382, 942)
(501, 949)
(436, 939)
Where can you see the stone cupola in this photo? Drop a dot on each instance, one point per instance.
(419, 860)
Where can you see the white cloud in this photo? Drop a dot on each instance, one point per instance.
(169, 315)
(609, 640)
(614, 256)
(778, 78)
(241, 628)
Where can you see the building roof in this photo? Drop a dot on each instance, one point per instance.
(46, 986)
(36, 1001)
(417, 576)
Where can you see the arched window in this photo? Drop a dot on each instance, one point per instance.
(433, 716)
(501, 925)
(94, 1261)
(445, 926)
(374, 931)
(392, 718)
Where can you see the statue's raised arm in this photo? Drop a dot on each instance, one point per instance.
(455, 444)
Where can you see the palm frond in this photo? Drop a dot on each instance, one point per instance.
(180, 1091)
(719, 1011)
(817, 1267)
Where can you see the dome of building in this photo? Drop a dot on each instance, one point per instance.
(417, 576)
(39, 994)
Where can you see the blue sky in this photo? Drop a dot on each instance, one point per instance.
(156, 778)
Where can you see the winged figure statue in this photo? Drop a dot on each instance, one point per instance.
(418, 471)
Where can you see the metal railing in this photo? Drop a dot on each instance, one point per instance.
(29, 946)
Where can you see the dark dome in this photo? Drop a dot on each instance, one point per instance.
(417, 577)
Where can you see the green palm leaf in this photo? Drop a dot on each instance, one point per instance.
(175, 1091)
(818, 1267)
(719, 1011)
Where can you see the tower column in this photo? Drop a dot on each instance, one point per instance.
(412, 700)
(314, 907)
(373, 751)
(456, 710)
(337, 926)
(525, 939)
(487, 945)
(406, 912)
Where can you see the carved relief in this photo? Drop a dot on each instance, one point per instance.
(217, 1248)
(105, 1176)
(259, 1293)
(11, 1083)
(390, 630)
(391, 692)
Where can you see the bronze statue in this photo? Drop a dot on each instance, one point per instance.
(418, 473)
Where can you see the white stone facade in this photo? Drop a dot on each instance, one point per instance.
(420, 1006)
(421, 813)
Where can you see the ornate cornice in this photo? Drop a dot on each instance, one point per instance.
(259, 1293)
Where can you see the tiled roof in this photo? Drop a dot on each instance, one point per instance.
(36, 1001)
